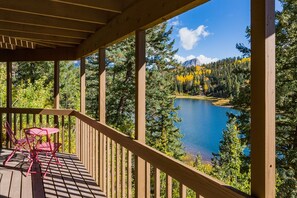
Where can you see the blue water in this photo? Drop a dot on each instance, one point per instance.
(202, 126)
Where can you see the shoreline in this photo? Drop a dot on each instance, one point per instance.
(221, 102)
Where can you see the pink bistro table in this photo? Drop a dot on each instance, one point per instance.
(41, 131)
(37, 132)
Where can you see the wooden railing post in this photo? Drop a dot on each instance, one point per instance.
(8, 96)
(56, 95)
(82, 107)
(140, 111)
(83, 85)
(102, 117)
(263, 99)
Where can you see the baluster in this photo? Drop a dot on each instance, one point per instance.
(129, 179)
(34, 120)
(15, 124)
(97, 157)
(123, 171)
(168, 186)
(91, 151)
(118, 160)
(77, 139)
(1, 130)
(69, 134)
(58, 134)
(112, 169)
(63, 134)
(157, 183)
(182, 191)
(21, 125)
(198, 195)
(147, 180)
(108, 168)
(103, 162)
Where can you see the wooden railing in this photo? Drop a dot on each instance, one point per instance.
(109, 156)
(20, 118)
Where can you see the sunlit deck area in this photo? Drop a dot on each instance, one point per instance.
(70, 180)
(122, 165)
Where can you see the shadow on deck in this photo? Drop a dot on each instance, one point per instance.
(70, 180)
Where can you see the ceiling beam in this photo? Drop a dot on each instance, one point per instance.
(142, 15)
(39, 54)
(7, 46)
(106, 5)
(40, 37)
(43, 21)
(50, 43)
(55, 10)
(17, 42)
(42, 30)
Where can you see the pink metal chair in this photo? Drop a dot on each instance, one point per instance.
(47, 147)
(19, 145)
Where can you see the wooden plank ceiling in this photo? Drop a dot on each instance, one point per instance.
(78, 27)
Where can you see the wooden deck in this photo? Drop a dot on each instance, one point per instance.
(70, 180)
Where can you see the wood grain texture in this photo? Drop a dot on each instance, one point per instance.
(263, 98)
(8, 96)
(46, 22)
(138, 16)
(55, 10)
(69, 180)
(41, 54)
(106, 5)
(199, 182)
(83, 85)
(140, 110)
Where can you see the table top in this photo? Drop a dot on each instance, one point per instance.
(41, 131)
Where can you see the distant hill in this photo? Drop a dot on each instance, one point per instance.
(192, 62)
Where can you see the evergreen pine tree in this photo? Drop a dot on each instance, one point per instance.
(227, 163)
(286, 95)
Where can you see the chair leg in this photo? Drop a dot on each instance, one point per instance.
(44, 175)
(29, 169)
(10, 156)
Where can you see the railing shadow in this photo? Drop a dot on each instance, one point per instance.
(69, 180)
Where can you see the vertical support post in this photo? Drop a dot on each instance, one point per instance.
(82, 106)
(8, 95)
(56, 95)
(102, 116)
(102, 85)
(56, 85)
(263, 98)
(140, 110)
(83, 85)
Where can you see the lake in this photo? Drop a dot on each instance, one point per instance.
(202, 126)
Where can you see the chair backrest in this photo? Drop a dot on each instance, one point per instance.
(10, 133)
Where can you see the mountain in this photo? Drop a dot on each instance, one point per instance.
(192, 62)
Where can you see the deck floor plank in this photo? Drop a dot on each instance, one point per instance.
(5, 182)
(69, 180)
(16, 184)
(26, 186)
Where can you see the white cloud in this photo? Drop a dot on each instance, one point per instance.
(179, 59)
(201, 58)
(205, 60)
(189, 37)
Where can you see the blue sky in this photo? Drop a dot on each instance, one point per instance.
(211, 31)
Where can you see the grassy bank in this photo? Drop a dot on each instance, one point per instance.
(215, 101)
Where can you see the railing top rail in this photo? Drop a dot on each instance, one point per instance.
(198, 181)
(64, 112)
